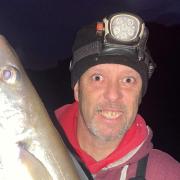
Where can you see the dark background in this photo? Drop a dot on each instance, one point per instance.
(42, 34)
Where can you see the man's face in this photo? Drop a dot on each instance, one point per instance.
(109, 96)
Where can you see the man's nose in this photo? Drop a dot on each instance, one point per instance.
(113, 90)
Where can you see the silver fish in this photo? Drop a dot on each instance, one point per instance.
(31, 148)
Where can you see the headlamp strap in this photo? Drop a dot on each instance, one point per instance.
(87, 50)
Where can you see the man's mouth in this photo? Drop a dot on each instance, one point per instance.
(109, 114)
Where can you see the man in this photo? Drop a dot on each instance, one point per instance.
(110, 69)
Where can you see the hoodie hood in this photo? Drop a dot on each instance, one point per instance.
(135, 144)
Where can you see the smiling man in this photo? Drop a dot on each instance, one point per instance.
(108, 96)
(110, 70)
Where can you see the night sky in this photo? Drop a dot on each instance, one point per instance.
(42, 33)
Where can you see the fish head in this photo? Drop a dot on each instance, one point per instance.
(12, 95)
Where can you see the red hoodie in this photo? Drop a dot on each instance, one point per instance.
(135, 144)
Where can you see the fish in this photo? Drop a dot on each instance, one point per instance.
(31, 147)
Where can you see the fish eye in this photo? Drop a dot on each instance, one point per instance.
(9, 74)
(6, 74)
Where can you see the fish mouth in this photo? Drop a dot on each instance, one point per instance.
(110, 114)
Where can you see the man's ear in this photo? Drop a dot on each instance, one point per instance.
(76, 91)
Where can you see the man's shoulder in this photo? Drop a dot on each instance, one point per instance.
(162, 164)
(158, 156)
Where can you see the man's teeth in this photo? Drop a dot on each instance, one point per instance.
(110, 114)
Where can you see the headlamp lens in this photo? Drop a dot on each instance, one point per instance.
(124, 27)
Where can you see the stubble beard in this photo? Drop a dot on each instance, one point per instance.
(95, 131)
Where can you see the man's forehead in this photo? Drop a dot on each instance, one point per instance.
(117, 67)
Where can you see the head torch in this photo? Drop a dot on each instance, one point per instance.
(123, 29)
(120, 38)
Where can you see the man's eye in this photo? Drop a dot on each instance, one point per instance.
(128, 80)
(97, 77)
